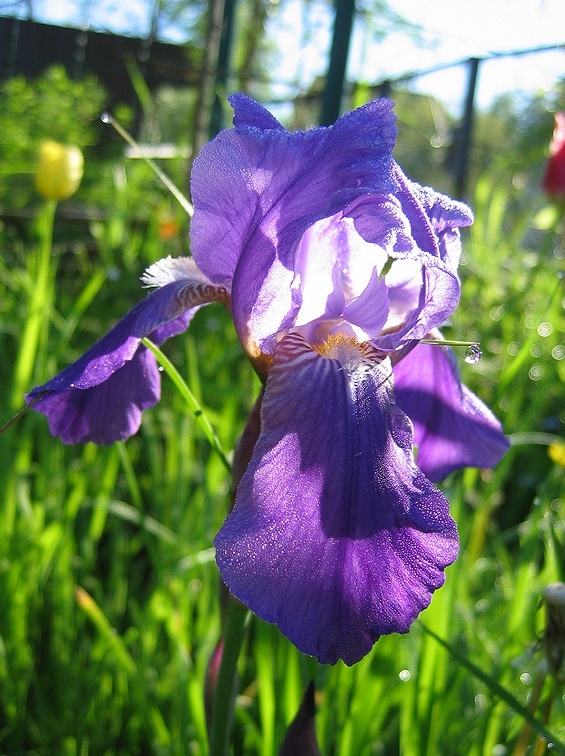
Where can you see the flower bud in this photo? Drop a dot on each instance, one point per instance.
(300, 737)
(211, 681)
(554, 178)
(59, 171)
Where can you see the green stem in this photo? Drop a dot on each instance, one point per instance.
(39, 306)
(190, 399)
(224, 696)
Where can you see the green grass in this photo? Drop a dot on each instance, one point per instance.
(108, 588)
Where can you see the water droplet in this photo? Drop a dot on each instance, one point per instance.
(473, 354)
(404, 675)
(160, 368)
(105, 117)
(545, 329)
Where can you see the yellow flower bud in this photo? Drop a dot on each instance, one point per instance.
(557, 452)
(59, 171)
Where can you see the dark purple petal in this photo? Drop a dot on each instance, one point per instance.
(452, 427)
(100, 397)
(108, 412)
(256, 189)
(336, 536)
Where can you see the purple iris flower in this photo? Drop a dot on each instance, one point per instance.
(335, 266)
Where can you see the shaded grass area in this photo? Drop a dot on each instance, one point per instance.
(108, 588)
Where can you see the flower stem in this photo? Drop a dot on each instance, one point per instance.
(40, 286)
(224, 696)
(177, 194)
(190, 399)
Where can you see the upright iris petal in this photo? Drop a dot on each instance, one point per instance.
(258, 189)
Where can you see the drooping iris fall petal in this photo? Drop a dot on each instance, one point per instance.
(336, 536)
(452, 427)
(101, 396)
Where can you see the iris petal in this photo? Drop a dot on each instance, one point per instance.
(452, 427)
(257, 188)
(101, 396)
(336, 536)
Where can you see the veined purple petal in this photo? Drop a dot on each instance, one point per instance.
(257, 188)
(101, 396)
(452, 427)
(336, 536)
(381, 220)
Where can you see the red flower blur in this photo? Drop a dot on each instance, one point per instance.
(554, 180)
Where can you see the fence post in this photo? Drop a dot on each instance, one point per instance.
(222, 71)
(465, 132)
(208, 77)
(343, 24)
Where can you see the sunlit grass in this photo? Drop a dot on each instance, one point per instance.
(108, 588)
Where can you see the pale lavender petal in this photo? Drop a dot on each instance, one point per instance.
(452, 427)
(405, 281)
(368, 312)
(336, 536)
(334, 265)
(101, 396)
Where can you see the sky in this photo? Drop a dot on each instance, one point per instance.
(451, 30)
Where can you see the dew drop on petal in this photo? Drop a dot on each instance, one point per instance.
(473, 354)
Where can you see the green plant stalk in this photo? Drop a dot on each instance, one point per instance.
(190, 399)
(39, 306)
(224, 695)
